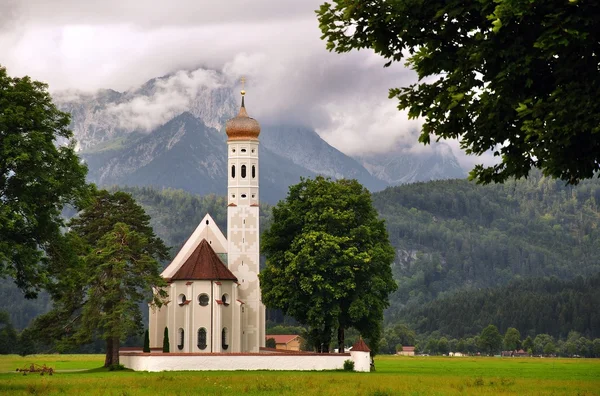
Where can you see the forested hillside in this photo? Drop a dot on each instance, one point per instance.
(455, 235)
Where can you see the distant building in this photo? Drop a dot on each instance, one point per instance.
(456, 354)
(515, 353)
(407, 351)
(288, 342)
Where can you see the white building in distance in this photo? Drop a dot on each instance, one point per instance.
(214, 303)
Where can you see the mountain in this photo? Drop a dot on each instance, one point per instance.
(401, 166)
(304, 147)
(169, 133)
(185, 154)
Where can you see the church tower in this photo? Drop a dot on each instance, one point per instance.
(243, 252)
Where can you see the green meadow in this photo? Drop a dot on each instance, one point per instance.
(80, 374)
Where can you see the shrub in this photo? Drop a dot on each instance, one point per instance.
(146, 342)
(271, 343)
(348, 365)
(166, 347)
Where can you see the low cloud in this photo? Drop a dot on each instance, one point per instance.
(85, 46)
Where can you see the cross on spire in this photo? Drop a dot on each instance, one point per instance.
(243, 80)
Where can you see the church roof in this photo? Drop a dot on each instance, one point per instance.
(360, 346)
(203, 264)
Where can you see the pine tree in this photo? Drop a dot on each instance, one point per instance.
(166, 348)
(147, 341)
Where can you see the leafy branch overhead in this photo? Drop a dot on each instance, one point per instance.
(519, 78)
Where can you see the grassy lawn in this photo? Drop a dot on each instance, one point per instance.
(394, 375)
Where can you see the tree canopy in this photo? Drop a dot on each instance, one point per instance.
(328, 260)
(107, 264)
(517, 77)
(39, 174)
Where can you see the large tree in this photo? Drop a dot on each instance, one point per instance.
(39, 174)
(328, 260)
(517, 77)
(105, 267)
(490, 340)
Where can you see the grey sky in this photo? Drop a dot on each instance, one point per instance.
(119, 44)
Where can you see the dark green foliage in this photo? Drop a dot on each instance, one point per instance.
(105, 266)
(455, 235)
(490, 340)
(8, 335)
(512, 339)
(528, 305)
(348, 365)
(166, 345)
(146, 341)
(27, 344)
(516, 77)
(39, 174)
(270, 343)
(328, 260)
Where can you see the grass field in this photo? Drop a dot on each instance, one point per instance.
(394, 376)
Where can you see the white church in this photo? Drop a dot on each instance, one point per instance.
(214, 303)
(214, 313)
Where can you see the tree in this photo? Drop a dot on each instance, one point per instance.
(432, 346)
(166, 345)
(328, 261)
(271, 343)
(528, 344)
(146, 341)
(540, 342)
(549, 349)
(490, 340)
(512, 339)
(107, 264)
(39, 174)
(511, 76)
(443, 346)
(8, 335)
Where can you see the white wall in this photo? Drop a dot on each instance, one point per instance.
(193, 362)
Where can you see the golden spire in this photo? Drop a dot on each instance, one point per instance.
(242, 127)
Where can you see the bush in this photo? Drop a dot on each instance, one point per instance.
(348, 365)
(271, 343)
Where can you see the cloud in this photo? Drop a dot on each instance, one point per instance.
(120, 44)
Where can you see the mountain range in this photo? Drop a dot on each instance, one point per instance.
(169, 132)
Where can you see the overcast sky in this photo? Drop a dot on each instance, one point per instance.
(120, 44)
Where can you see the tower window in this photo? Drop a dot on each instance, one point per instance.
(206, 222)
(224, 339)
(253, 171)
(181, 299)
(243, 171)
(180, 338)
(233, 171)
(253, 196)
(232, 195)
(225, 299)
(243, 150)
(243, 195)
(252, 151)
(202, 338)
(233, 150)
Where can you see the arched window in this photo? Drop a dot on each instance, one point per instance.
(225, 299)
(181, 299)
(180, 338)
(243, 171)
(253, 172)
(202, 338)
(233, 171)
(203, 299)
(224, 339)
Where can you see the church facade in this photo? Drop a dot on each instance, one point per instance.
(214, 303)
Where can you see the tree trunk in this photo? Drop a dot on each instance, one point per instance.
(341, 340)
(108, 359)
(115, 350)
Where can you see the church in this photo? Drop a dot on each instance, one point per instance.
(214, 303)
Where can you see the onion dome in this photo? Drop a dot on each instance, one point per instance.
(242, 127)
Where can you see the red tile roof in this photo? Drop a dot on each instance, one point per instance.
(203, 264)
(282, 338)
(360, 346)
